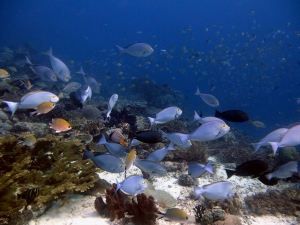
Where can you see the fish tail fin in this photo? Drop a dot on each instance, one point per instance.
(197, 92)
(28, 61)
(196, 116)
(218, 114)
(274, 146)
(268, 176)
(198, 192)
(87, 154)
(163, 134)
(81, 71)
(49, 52)
(256, 146)
(184, 138)
(298, 101)
(229, 173)
(209, 167)
(171, 147)
(108, 116)
(61, 95)
(32, 113)
(102, 141)
(13, 106)
(152, 120)
(120, 50)
(118, 186)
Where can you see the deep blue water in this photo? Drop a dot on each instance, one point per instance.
(248, 49)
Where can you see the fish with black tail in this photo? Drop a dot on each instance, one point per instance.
(250, 168)
(237, 116)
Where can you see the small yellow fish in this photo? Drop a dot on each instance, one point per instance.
(60, 125)
(122, 89)
(43, 108)
(175, 215)
(13, 69)
(3, 73)
(130, 159)
(257, 124)
(29, 141)
(107, 77)
(119, 64)
(118, 85)
(121, 72)
(146, 82)
(71, 61)
(131, 86)
(27, 84)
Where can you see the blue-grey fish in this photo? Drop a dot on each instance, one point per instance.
(290, 138)
(69, 88)
(134, 142)
(215, 191)
(208, 99)
(166, 115)
(132, 185)
(113, 148)
(42, 71)
(152, 168)
(136, 50)
(32, 100)
(196, 170)
(285, 171)
(90, 81)
(105, 162)
(111, 103)
(84, 93)
(274, 136)
(207, 119)
(159, 154)
(208, 131)
(176, 139)
(174, 215)
(60, 69)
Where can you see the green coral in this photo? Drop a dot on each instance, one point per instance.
(54, 165)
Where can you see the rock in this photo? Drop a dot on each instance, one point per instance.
(185, 180)
(38, 129)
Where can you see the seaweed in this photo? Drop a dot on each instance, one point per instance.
(54, 165)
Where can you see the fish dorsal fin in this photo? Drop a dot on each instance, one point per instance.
(30, 93)
(132, 44)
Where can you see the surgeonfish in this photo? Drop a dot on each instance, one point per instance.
(174, 215)
(111, 103)
(42, 71)
(234, 115)
(176, 139)
(159, 154)
(250, 168)
(146, 136)
(274, 136)
(152, 168)
(196, 170)
(85, 92)
(60, 69)
(32, 100)
(208, 99)
(290, 138)
(134, 142)
(215, 191)
(207, 119)
(166, 115)
(132, 185)
(90, 81)
(105, 162)
(60, 125)
(285, 171)
(208, 131)
(113, 148)
(43, 108)
(136, 50)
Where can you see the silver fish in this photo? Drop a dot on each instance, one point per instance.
(71, 87)
(285, 171)
(90, 81)
(43, 72)
(208, 99)
(136, 50)
(113, 148)
(60, 69)
(85, 92)
(207, 119)
(216, 191)
(132, 185)
(32, 100)
(166, 115)
(112, 101)
(152, 168)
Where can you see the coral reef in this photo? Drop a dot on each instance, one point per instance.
(124, 116)
(292, 193)
(288, 154)
(143, 211)
(199, 211)
(54, 165)
(91, 112)
(272, 202)
(176, 125)
(185, 180)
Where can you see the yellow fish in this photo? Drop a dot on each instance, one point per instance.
(122, 89)
(13, 69)
(3, 73)
(130, 159)
(60, 125)
(43, 108)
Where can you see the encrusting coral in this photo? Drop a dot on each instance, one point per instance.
(54, 166)
(143, 211)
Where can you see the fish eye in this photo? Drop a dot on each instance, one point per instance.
(186, 218)
(69, 126)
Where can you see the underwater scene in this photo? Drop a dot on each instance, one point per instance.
(150, 112)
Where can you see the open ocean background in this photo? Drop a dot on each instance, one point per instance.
(246, 53)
